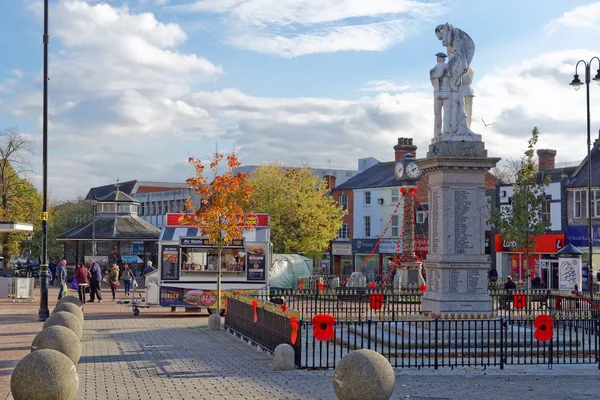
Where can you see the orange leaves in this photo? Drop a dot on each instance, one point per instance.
(221, 214)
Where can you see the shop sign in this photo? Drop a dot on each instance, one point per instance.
(254, 220)
(363, 246)
(578, 235)
(390, 246)
(545, 243)
(198, 242)
(182, 297)
(341, 249)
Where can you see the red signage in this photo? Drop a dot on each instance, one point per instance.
(254, 220)
(545, 243)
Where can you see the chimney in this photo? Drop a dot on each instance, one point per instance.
(404, 146)
(329, 181)
(546, 159)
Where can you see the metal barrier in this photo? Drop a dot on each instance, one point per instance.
(21, 289)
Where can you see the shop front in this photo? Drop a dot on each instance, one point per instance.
(578, 235)
(363, 260)
(341, 256)
(542, 264)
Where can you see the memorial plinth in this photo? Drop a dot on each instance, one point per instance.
(456, 265)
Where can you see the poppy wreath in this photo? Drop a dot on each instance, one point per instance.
(323, 327)
(300, 286)
(295, 325)
(543, 325)
(320, 287)
(519, 301)
(422, 288)
(283, 308)
(372, 285)
(412, 192)
(255, 307)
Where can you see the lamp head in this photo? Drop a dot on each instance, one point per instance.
(597, 77)
(29, 236)
(576, 83)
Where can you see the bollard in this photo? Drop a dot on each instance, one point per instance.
(71, 308)
(70, 299)
(364, 374)
(66, 319)
(60, 339)
(283, 358)
(214, 322)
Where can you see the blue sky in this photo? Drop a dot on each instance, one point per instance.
(137, 87)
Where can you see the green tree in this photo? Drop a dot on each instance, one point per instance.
(19, 199)
(304, 217)
(524, 222)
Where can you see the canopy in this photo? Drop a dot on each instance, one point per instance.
(287, 268)
(131, 259)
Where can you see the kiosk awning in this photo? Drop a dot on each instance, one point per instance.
(169, 233)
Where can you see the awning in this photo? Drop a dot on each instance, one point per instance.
(169, 233)
(131, 259)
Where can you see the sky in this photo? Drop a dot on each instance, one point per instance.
(137, 87)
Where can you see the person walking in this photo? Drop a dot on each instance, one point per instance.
(113, 280)
(95, 274)
(127, 276)
(149, 268)
(61, 277)
(52, 268)
(83, 281)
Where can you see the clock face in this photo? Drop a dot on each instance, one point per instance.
(399, 170)
(412, 170)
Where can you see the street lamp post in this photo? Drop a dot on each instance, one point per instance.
(94, 205)
(29, 238)
(43, 312)
(576, 83)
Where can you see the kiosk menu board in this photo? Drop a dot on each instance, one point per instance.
(256, 261)
(170, 263)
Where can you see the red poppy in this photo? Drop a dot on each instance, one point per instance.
(283, 308)
(377, 301)
(412, 191)
(372, 285)
(320, 286)
(255, 307)
(294, 335)
(300, 286)
(403, 191)
(423, 288)
(543, 328)
(519, 301)
(323, 327)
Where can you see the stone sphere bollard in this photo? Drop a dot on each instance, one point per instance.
(214, 322)
(60, 339)
(283, 358)
(66, 319)
(364, 374)
(44, 374)
(70, 299)
(69, 307)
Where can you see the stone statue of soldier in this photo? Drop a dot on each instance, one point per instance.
(468, 94)
(441, 96)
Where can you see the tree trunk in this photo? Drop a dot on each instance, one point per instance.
(219, 251)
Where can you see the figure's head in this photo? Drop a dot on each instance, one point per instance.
(90, 261)
(444, 33)
(149, 263)
(63, 262)
(441, 57)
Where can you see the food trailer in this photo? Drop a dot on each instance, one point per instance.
(187, 264)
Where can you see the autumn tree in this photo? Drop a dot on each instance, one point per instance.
(221, 212)
(522, 223)
(19, 199)
(304, 217)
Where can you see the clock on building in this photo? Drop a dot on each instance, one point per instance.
(407, 169)
(399, 170)
(412, 170)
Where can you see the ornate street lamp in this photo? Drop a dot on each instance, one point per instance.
(576, 83)
(94, 206)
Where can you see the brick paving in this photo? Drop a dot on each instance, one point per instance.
(164, 355)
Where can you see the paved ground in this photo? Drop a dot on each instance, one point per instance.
(163, 355)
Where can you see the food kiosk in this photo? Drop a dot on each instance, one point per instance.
(187, 264)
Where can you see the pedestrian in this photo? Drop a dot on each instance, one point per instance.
(492, 275)
(83, 281)
(127, 276)
(61, 277)
(113, 280)
(149, 268)
(509, 284)
(52, 267)
(95, 274)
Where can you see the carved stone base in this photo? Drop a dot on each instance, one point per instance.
(410, 274)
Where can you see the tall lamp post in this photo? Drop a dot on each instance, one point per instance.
(29, 238)
(576, 83)
(94, 205)
(43, 312)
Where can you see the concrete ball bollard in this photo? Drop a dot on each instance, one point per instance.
(44, 374)
(214, 322)
(69, 307)
(283, 358)
(66, 319)
(60, 339)
(71, 299)
(364, 374)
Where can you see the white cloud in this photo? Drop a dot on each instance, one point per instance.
(383, 85)
(587, 16)
(292, 28)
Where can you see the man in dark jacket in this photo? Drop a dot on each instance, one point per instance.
(61, 277)
(95, 279)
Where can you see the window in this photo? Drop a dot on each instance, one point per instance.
(134, 208)
(160, 208)
(343, 201)
(577, 204)
(344, 232)
(395, 227)
(367, 198)
(395, 195)
(595, 203)
(142, 208)
(367, 226)
(420, 217)
(546, 211)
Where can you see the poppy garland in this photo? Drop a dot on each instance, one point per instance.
(294, 334)
(323, 327)
(543, 325)
(519, 301)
